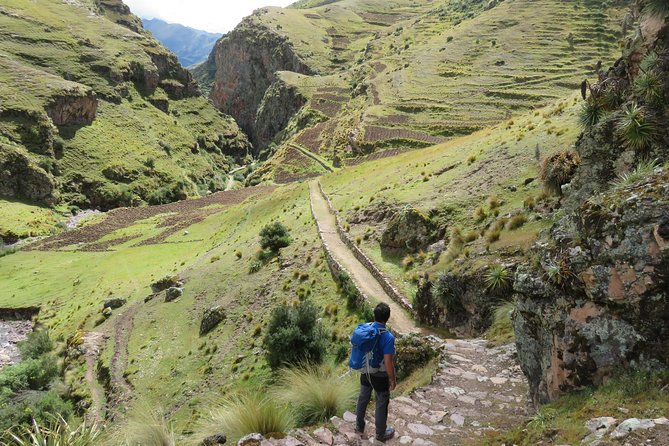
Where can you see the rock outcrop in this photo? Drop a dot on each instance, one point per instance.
(408, 230)
(246, 62)
(74, 107)
(600, 300)
(22, 178)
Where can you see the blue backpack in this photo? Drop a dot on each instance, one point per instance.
(364, 341)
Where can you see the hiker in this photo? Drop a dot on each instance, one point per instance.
(378, 376)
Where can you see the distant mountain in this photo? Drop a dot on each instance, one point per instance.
(191, 46)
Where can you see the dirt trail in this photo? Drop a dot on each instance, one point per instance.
(399, 319)
(93, 343)
(121, 388)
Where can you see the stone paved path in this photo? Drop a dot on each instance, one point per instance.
(476, 389)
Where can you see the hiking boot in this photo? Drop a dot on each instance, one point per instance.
(387, 435)
(359, 430)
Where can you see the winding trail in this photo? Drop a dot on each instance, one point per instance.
(93, 344)
(399, 319)
(121, 389)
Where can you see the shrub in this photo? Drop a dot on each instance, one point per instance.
(558, 170)
(37, 344)
(640, 172)
(150, 428)
(294, 335)
(55, 431)
(650, 87)
(413, 352)
(635, 128)
(408, 262)
(245, 414)
(497, 278)
(316, 394)
(480, 214)
(33, 374)
(349, 290)
(516, 222)
(274, 236)
(255, 266)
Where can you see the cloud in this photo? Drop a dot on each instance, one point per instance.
(209, 15)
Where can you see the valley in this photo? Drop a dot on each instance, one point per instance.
(170, 261)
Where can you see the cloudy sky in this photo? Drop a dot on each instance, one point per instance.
(210, 15)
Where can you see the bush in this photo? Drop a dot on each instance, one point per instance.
(294, 335)
(413, 352)
(37, 344)
(448, 290)
(245, 414)
(316, 394)
(36, 406)
(55, 431)
(559, 169)
(30, 374)
(349, 290)
(274, 236)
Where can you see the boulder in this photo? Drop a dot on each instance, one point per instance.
(324, 436)
(251, 440)
(409, 230)
(211, 318)
(114, 303)
(106, 312)
(630, 425)
(173, 293)
(214, 440)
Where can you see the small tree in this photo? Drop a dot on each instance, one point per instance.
(295, 335)
(274, 236)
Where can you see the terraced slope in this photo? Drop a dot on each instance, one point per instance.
(372, 75)
(95, 112)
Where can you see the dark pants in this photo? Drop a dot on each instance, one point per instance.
(380, 384)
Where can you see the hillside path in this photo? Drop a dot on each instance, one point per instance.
(93, 344)
(399, 319)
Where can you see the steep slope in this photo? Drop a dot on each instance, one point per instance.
(398, 74)
(192, 46)
(95, 112)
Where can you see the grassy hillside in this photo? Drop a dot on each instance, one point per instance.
(95, 112)
(408, 75)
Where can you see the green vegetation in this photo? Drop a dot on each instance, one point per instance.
(497, 278)
(641, 171)
(558, 170)
(316, 393)
(642, 394)
(294, 335)
(274, 237)
(501, 331)
(245, 414)
(55, 432)
(635, 127)
(150, 428)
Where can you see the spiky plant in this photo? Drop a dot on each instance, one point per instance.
(649, 62)
(591, 113)
(497, 278)
(57, 432)
(558, 170)
(641, 171)
(648, 86)
(635, 128)
(558, 272)
(656, 8)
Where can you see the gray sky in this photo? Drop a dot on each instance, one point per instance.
(208, 15)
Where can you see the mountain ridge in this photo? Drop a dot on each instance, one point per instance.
(192, 46)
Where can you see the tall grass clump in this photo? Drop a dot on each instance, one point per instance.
(56, 432)
(656, 8)
(558, 170)
(455, 244)
(497, 277)
(150, 428)
(243, 414)
(501, 331)
(650, 87)
(635, 128)
(591, 113)
(315, 393)
(640, 172)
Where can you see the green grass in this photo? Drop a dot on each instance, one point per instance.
(21, 220)
(642, 394)
(501, 332)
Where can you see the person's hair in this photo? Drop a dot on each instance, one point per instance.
(382, 313)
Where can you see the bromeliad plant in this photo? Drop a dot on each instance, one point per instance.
(636, 128)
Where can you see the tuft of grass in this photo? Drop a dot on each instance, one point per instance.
(150, 428)
(455, 244)
(471, 236)
(315, 393)
(529, 203)
(497, 277)
(636, 128)
(640, 172)
(558, 272)
(501, 331)
(494, 235)
(558, 170)
(408, 262)
(244, 414)
(480, 214)
(494, 202)
(650, 87)
(516, 222)
(656, 8)
(57, 432)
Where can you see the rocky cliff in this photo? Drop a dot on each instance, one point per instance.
(596, 298)
(246, 62)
